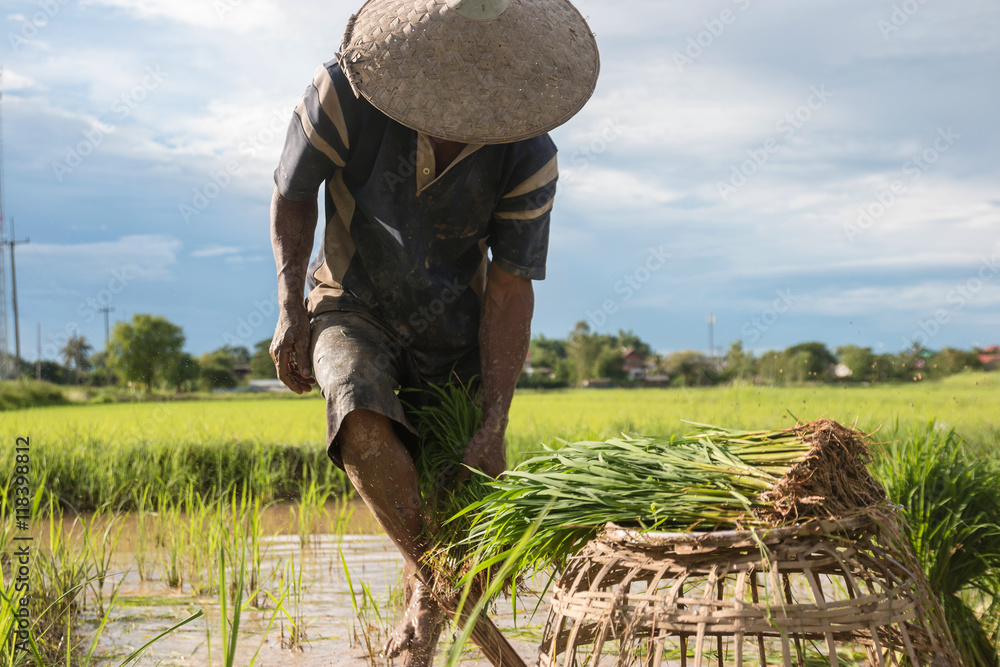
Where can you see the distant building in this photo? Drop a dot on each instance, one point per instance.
(635, 364)
(842, 371)
(990, 357)
(656, 380)
(597, 383)
(276, 386)
(241, 371)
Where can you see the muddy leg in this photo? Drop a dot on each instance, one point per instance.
(382, 471)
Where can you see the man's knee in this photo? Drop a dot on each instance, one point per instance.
(364, 434)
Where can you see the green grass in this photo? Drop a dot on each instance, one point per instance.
(91, 454)
(959, 402)
(14, 395)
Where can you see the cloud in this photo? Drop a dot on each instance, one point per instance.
(14, 81)
(216, 251)
(146, 256)
(239, 15)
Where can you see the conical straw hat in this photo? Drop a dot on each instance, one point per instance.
(475, 71)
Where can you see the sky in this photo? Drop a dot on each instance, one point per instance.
(804, 171)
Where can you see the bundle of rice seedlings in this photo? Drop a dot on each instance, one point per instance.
(445, 422)
(711, 479)
(951, 502)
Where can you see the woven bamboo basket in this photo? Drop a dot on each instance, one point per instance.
(819, 593)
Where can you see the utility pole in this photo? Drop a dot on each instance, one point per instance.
(107, 344)
(5, 360)
(13, 293)
(38, 359)
(711, 337)
(107, 334)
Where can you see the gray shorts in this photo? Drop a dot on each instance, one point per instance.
(359, 365)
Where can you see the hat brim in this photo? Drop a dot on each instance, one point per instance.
(512, 78)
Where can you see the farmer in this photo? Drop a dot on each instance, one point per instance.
(428, 136)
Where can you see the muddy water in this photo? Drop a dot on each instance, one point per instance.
(334, 632)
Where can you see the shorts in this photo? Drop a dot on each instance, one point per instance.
(359, 364)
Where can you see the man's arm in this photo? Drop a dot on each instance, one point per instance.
(293, 224)
(504, 335)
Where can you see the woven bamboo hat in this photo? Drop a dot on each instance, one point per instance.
(475, 71)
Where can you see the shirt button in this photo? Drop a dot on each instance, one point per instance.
(426, 171)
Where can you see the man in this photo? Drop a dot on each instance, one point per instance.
(428, 134)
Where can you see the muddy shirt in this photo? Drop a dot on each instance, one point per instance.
(405, 244)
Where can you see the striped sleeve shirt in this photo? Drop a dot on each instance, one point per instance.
(404, 243)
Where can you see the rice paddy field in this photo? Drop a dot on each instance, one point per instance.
(228, 515)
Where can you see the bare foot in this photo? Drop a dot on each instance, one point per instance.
(419, 630)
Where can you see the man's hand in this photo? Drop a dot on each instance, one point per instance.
(487, 452)
(290, 348)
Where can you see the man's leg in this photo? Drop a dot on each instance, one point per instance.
(383, 474)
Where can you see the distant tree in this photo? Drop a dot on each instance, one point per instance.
(690, 368)
(144, 349)
(611, 361)
(261, 364)
(76, 355)
(551, 353)
(887, 367)
(217, 370)
(184, 373)
(100, 373)
(51, 372)
(583, 350)
(811, 366)
(593, 355)
(950, 361)
(861, 361)
(739, 364)
(239, 354)
(628, 339)
(771, 367)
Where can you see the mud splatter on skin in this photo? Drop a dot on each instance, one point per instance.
(293, 224)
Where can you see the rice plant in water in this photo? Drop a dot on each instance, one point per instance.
(951, 501)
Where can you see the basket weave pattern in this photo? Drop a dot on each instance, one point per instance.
(787, 598)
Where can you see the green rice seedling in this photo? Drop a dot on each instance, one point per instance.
(233, 603)
(308, 510)
(142, 538)
(342, 518)
(951, 503)
(230, 626)
(173, 537)
(710, 479)
(290, 584)
(445, 425)
(101, 544)
(372, 616)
